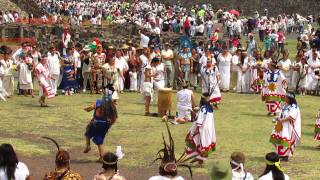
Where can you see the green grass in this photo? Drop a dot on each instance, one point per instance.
(241, 125)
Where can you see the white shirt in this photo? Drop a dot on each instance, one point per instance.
(144, 41)
(165, 178)
(77, 60)
(184, 100)
(269, 176)
(21, 173)
(53, 64)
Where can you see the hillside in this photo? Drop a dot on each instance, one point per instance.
(6, 5)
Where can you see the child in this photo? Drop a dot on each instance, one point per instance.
(133, 79)
(147, 89)
(317, 128)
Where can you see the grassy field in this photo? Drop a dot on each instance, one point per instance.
(241, 125)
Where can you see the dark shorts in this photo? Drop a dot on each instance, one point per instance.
(97, 131)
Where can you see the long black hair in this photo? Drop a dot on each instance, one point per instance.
(8, 160)
(204, 102)
(277, 174)
(110, 161)
(292, 98)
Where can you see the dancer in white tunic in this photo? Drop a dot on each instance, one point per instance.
(8, 68)
(287, 131)
(201, 139)
(159, 73)
(185, 104)
(25, 68)
(224, 64)
(314, 66)
(243, 82)
(285, 67)
(210, 81)
(3, 92)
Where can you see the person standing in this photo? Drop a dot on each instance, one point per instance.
(317, 128)
(201, 138)
(159, 74)
(185, 63)
(243, 82)
(287, 130)
(54, 68)
(210, 77)
(144, 61)
(69, 83)
(273, 91)
(224, 64)
(86, 68)
(167, 56)
(7, 64)
(285, 66)
(25, 68)
(104, 116)
(147, 89)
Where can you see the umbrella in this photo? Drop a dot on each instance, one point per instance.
(234, 12)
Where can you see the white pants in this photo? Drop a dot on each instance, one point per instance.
(55, 82)
(86, 77)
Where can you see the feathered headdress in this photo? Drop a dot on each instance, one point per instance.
(62, 156)
(167, 155)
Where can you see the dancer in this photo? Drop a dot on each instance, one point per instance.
(62, 170)
(3, 92)
(201, 138)
(46, 88)
(317, 128)
(104, 116)
(185, 104)
(8, 77)
(287, 131)
(147, 89)
(169, 164)
(273, 91)
(273, 169)
(210, 82)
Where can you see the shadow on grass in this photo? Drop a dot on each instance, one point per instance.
(308, 134)
(255, 115)
(309, 148)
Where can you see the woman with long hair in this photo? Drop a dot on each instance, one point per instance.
(110, 168)
(104, 116)
(273, 169)
(287, 131)
(10, 167)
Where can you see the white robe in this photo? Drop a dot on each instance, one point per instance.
(224, 68)
(312, 80)
(210, 83)
(243, 81)
(25, 75)
(8, 78)
(158, 79)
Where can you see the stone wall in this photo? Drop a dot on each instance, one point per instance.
(47, 35)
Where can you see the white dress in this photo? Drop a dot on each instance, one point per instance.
(224, 68)
(243, 81)
(158, 79)
(8, 78)
(25, 75)
(3, 92)
(285, 69)
(133, 81)
(210, 83)
(312, 80)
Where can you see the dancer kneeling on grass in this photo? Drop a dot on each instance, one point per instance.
(201, 139)
(46, 87)
(287, 131)
(104, 116)
(273, 169)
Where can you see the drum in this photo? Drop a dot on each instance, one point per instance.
(164, 102)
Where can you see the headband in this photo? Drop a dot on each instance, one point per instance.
(277, 164)
(109, 163)
(237, 164)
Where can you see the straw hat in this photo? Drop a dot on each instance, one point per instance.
(124, 46)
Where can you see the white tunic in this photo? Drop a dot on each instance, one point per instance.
(25, 75)
(158, 78)
(53, 64)
(312, 79)
(269, 177)
(243, 81)
(224, 68)
(210, 82)
(133, 81)
(184, 101)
